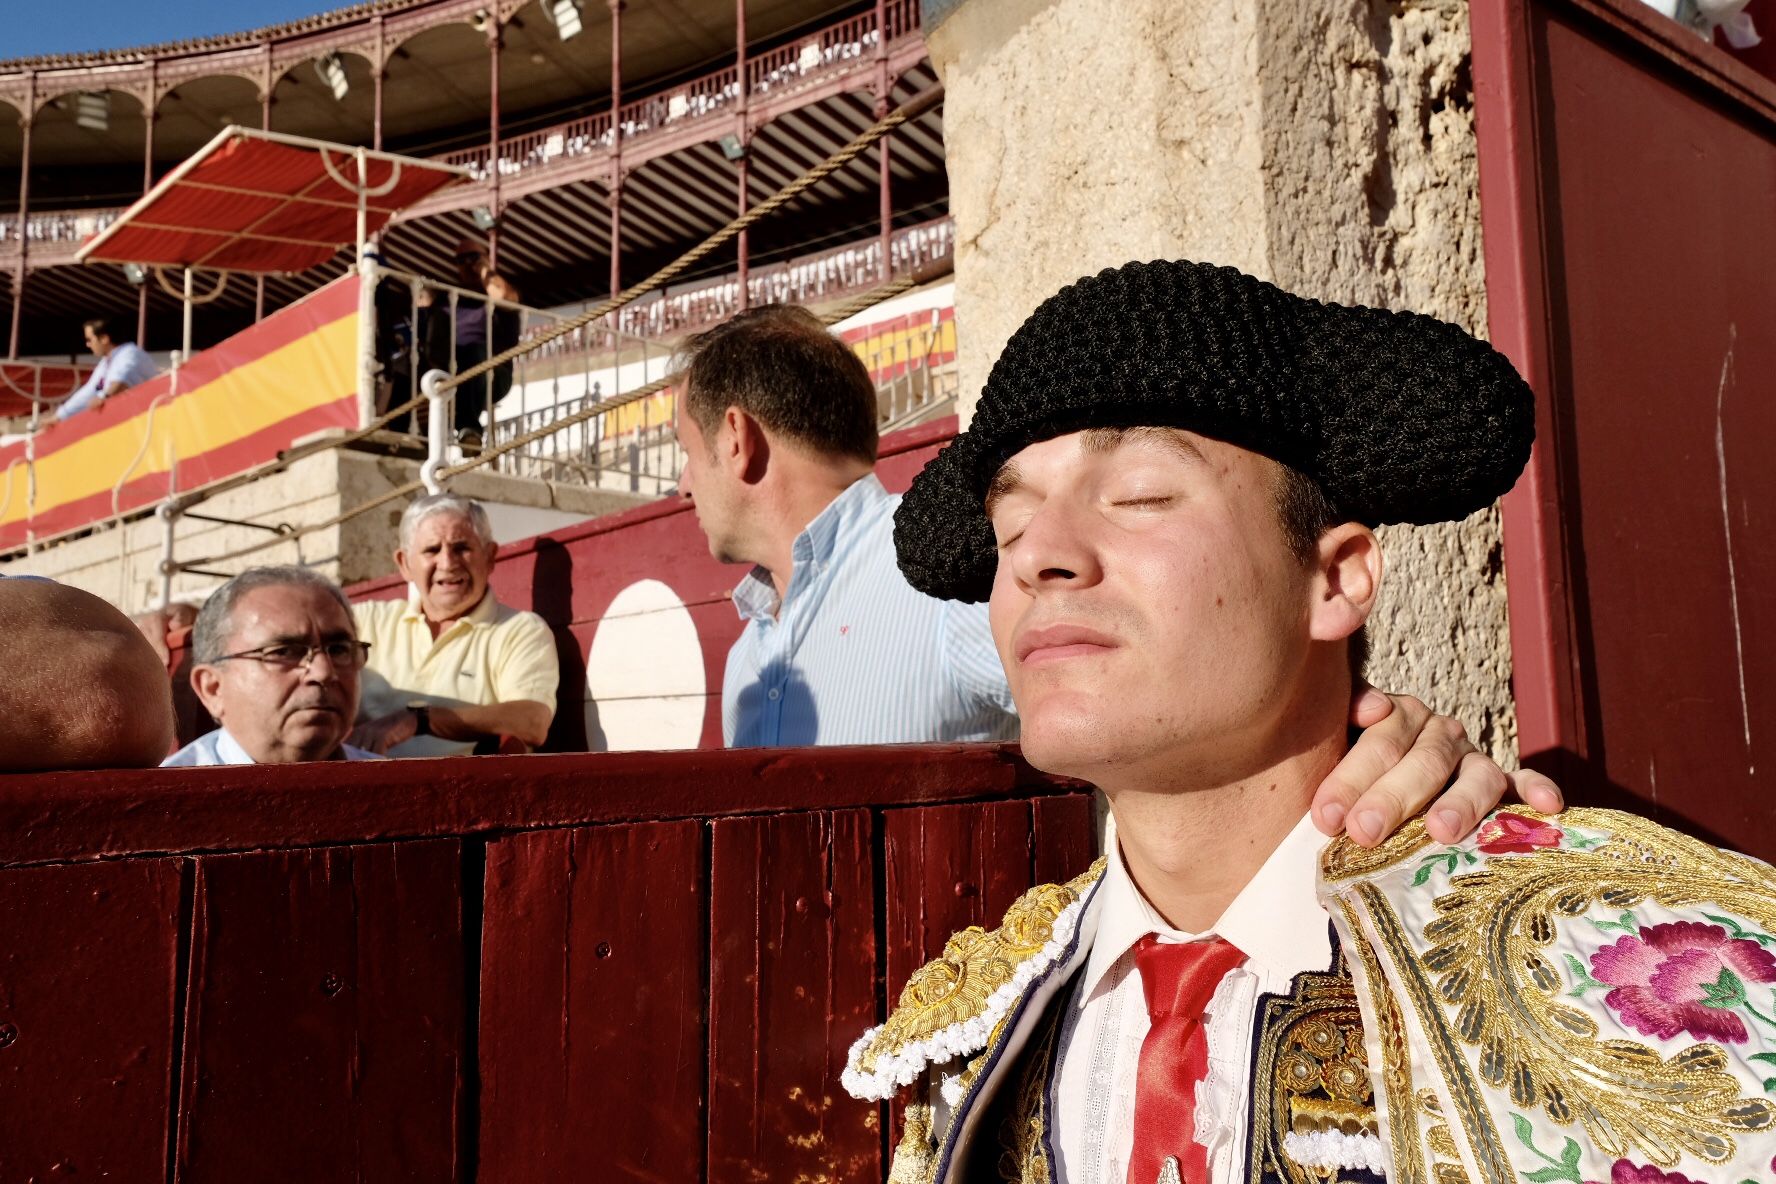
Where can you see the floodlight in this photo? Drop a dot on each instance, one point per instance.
(332, 72)
(732, 147)
(92, 110)
(483, 218)
(135, 273)
(566, 15)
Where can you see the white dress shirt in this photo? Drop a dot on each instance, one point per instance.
(1276, 921)
(127, 363)
(220, 748)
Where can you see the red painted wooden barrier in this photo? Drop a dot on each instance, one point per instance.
(514, 969)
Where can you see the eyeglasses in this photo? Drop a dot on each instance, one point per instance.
(344, 655)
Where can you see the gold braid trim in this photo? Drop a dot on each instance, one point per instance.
(955, 988)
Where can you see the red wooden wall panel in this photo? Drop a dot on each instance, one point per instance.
(88, 964)
(325, 1016)
(592, 978)
(1627, 173)
(792, 953)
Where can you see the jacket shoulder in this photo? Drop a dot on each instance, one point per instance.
(1538, 978)
(952, 1005)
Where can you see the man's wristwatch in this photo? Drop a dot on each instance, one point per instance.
(422, 718)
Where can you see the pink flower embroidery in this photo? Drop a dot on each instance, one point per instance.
(1513, 834)
(1626, 1173)
(1682, 977)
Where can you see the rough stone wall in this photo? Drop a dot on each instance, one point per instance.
(1328, 147)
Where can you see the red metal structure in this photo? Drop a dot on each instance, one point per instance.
(1627, 175)
(542, 968)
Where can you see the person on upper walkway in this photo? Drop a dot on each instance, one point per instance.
(275, 660)
(777, 418)
(122, 364)
(82, 690)
(451, 668)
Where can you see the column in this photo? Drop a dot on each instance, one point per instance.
(885, 197)
(493, 134)
(616, 149)
(24, 211)
(743, 245)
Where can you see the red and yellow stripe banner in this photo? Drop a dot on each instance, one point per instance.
(238, 405)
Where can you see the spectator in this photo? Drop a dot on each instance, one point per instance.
(452, 668)
(122, 364)
(777, 418)
(82, 690)
(479, 331)
(276, 659)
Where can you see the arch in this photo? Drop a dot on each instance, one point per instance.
(437, 78)
(57, 139)
(190, 114)
(303, 104)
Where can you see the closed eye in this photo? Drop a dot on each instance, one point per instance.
(1149, 502)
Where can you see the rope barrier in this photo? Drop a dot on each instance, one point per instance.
(914, 107)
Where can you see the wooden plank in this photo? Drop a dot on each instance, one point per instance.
(949, 867)
(88, 965)
(57, 817)
(792, 984)
(325, 1016)
(591, 1031)
(1063, 837)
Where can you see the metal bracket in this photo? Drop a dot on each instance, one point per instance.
(282, 528)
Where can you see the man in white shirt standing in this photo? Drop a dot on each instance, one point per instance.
(275, 660)
(122, 364)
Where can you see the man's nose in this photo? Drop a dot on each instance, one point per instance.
(1056, 548)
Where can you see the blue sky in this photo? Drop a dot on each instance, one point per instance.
(62, 26)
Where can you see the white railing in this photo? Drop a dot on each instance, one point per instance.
(811, 279)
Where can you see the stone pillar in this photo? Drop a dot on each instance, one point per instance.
(1327, 147)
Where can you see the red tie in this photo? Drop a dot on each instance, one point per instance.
(1178, 980)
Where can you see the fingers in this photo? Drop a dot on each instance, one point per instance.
(1381, 747)
(1458, 810)
(1370, 706)
(1402, 783)
(1537, 791)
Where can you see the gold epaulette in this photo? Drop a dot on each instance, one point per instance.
(952, 1005)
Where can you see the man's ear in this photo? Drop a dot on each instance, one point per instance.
(401, 564)
(1347, 580)
(744, 446)
(207, 682)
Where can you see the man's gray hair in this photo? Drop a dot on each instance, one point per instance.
(421, 508)
(215, 621)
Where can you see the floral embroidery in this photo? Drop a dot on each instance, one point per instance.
(1513, 834)
(1683, 977)
(1625, 1172)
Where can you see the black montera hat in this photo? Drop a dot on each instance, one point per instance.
(1398, 417)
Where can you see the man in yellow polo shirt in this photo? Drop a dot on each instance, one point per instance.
(450, 667)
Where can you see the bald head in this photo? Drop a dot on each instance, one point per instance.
(84, 689)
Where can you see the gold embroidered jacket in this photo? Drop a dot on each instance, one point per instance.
(1588, 999)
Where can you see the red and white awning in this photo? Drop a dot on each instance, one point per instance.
(263, 202)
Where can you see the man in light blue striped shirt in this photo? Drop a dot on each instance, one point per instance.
(777, 418)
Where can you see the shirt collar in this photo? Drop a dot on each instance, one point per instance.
(755, 596)
(1276, 920)
(229, 750)
(481, 614)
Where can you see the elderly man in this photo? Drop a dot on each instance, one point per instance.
(777, 418)
(1166, 500)
(275, 660)
(452, 668)
(122, 364)
(82, 689)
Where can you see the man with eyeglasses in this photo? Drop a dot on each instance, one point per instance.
(276, 659)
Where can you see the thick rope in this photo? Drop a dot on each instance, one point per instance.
(850, 308)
